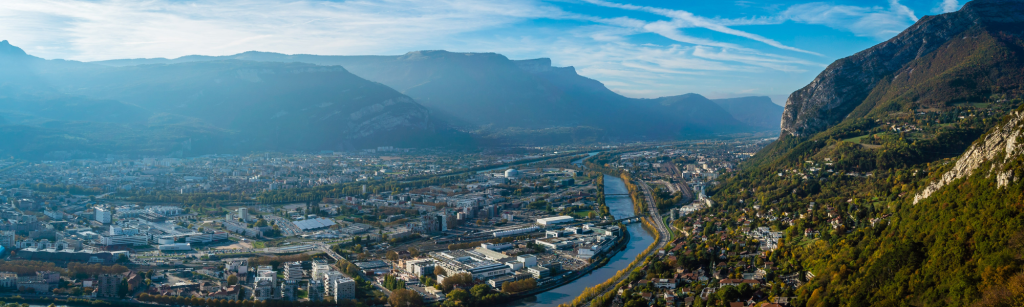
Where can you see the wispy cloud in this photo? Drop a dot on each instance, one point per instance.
(878, 22)
(616, 46)
(947, 6)
(684, 19)
(116, 29)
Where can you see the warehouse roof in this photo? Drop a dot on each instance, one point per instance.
(316, 223)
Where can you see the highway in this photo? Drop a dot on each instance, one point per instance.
(652, 210)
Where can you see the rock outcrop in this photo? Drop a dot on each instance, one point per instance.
(1006, 141)
(846, 83)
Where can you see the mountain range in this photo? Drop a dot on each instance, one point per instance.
(269, 101)
(488, 90)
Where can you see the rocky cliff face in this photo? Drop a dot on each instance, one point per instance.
(1000, 147)
(847, 82)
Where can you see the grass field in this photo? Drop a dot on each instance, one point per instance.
(582, 213)
(856, 139)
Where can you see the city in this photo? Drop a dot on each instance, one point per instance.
(538, 153)
(519, 229)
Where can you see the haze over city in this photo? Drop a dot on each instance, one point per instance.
(564, 153)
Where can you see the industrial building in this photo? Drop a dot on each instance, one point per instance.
(456, 262)
(549, 221)
(175, 247)
(420, 267)
(517, 231)
(314, 224)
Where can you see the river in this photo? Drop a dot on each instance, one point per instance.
(640, 239)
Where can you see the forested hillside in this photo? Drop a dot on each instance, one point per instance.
(911, 194)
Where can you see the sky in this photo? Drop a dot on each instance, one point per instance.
(638, 48)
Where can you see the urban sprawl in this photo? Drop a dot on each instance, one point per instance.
(390, 226)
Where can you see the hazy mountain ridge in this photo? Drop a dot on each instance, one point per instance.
(229, 106)
(756, 111)
(490, 91)
(269, 101)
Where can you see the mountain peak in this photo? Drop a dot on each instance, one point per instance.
(994, 11)
(7, 49)
(535, 65)
(436, 54)
(846, 83)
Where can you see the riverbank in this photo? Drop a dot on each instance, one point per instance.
(603, 293)
(639, 239)
(620, 245)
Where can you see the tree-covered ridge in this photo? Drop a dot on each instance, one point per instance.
(958, 247)
(945, 251)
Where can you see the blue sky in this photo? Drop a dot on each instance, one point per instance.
(639, 48)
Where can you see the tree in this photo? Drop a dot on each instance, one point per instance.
(479, 291)
(392, 283)
(232, 280)
(405, 298)
(438, 271)
(519, 286)
(458, 295)
(122, 289)
(463, 279)
(392, 255)
(414, 252)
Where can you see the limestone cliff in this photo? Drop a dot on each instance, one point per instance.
(1000, 147)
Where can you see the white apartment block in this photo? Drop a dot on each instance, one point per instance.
(103, 215)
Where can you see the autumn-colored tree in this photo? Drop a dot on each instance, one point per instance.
(405, 298)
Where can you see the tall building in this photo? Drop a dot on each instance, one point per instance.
(267, 271)
(263, 288)
(344, 289)
(7, 239)
(8, 280)
(243, 213)
(293, 271)
(107, 285)
(315, 290)
(319, 268)
(437, 222)
(329, 277)
(288, 290)
(103, 215)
